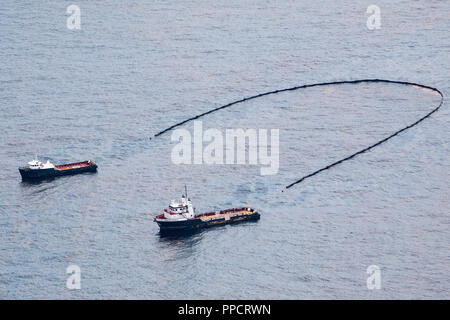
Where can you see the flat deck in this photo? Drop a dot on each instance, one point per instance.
(72, 165)
(226, 215)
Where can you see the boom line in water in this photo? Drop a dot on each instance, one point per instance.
(318, 85)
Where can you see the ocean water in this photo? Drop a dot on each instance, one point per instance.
(137, 67)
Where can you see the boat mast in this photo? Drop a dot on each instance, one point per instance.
(185, 191)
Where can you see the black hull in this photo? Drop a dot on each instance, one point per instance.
(38, 174)
(197, 223)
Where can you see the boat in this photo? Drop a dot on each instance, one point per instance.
(180, 216)
(37, 170)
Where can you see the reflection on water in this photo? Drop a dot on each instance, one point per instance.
(186, 237)
(183, 235)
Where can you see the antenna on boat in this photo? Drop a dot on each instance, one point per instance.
(185, 192)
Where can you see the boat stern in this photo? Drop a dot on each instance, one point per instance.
(92, 165)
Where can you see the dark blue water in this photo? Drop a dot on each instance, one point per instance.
(138, 67)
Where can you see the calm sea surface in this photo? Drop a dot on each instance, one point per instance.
(137, 67)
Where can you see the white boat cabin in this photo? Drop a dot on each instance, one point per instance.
(36, 164)
(180, 210)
